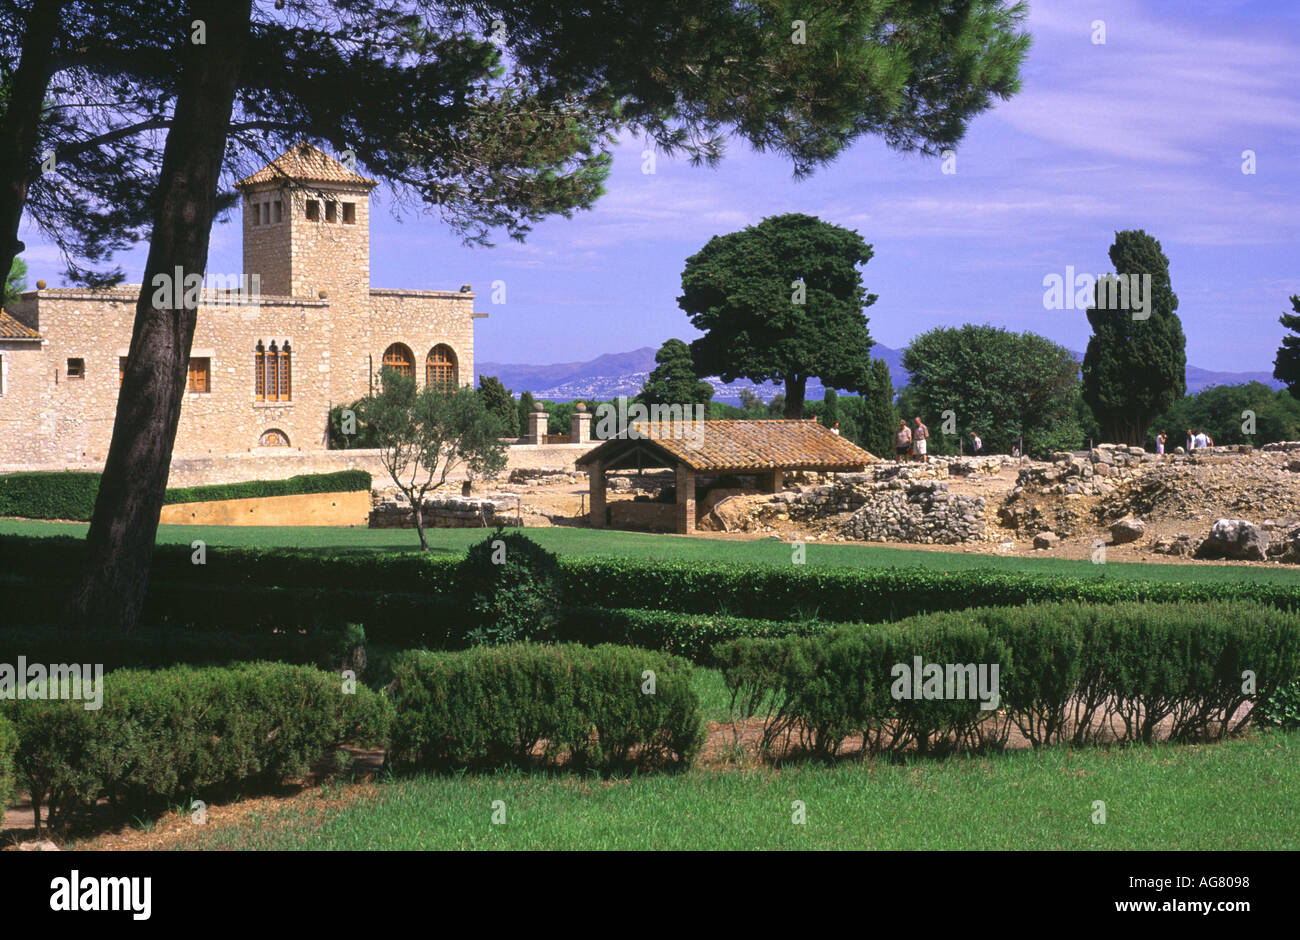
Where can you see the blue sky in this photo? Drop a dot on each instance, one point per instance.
(1145, 131)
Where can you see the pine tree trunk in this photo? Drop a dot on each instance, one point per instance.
(125, 523)
(795, 387)
(21, 123)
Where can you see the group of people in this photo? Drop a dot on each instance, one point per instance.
(910, 442)
(1192, 441)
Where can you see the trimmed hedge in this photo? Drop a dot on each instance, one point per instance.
(169, 734)
(8, 746)
(1068, 673)
(795, 593)
(71, 494)
(342, 481)
(868, 594)
(691, 636)
(494, 706)
(331, 650)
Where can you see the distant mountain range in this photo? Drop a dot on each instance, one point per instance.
(615, 374)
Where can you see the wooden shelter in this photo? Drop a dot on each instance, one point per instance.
(766, 449)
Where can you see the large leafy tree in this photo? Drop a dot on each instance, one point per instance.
(999, 384)
(673, 380)
(419, 92)
(781, 301)
(1135, 367)
(1286, 367)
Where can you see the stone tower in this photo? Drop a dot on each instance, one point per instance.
(307, 228)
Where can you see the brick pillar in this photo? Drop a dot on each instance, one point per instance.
(685, 500)
(580, 425)
(596, 494)
(773, 481)
(537, 421)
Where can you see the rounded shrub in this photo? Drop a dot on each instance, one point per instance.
(513, 590)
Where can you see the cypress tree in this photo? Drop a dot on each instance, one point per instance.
(880, 419)
(1134, 368)
(526, 403)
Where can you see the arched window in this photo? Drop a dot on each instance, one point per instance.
(285, 384)
(272, 372)
(273, 438)
(440, 368)
(399, 357)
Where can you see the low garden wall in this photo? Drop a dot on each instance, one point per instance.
(308, 509)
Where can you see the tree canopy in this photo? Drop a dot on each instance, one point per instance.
(781, 301)
(500, 401)
(1286, 367)
(1248, 413)
(673, 380)
(999, 384)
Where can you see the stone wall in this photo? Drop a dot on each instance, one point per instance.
(643, 516)
(891, 510)
(446, 513)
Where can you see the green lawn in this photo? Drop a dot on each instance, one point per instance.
(574, 541)
(1238, 795)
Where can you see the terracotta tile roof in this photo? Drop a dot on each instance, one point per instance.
(308, 164)
(717, 446)
(12, 328)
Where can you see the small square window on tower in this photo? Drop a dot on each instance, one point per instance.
(313, 210)
(279, 211)
(349, 213)
(76, 368)
(255, 212)
(331, 211)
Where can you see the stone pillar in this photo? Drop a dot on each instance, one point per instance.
(537, 421)
(773, 481)
(596, 494)
(580, 425)
(685, 500)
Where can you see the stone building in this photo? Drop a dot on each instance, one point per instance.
(274, 349)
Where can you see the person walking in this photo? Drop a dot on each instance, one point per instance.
(902, 441)
(1191, 440)
(1160, 442)
(919, 436)
(1200, 440)
(835, 429)
(976, 445)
